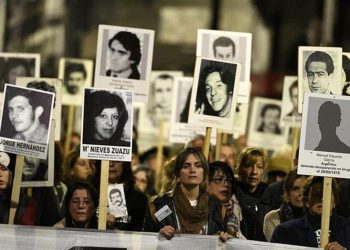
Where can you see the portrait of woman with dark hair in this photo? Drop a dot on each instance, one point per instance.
(105, 116)
(215, 88)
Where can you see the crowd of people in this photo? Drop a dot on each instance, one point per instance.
(229, 197)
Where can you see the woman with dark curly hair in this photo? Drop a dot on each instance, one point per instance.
(215, 89)
(105, 116)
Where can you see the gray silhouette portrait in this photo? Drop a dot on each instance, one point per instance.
(329, 118)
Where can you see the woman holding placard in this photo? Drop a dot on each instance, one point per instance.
(187, 208)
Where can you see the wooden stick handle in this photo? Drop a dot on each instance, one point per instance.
(159, 159)
(69, 129)
(102, 215)
(326, 210)
(218, 144)
(16, 188)
(207, 142)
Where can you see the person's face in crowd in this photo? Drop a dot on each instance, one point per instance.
(4, 177)
(116, 199)
(294, 97)
(271, 120)
(163, 94)
(296, 194)
(106, 123)
(253, 174)
(152, 162)
(31, 166)
(120, 57)
(81, 206)
(15, 72)
(82, 169)
(115, 171)
(75, 81)
(318, 78)
(191, 173)
(141, 180)
(228, 155)
(314, 199)
(224, 52)
(220, 186)
(216, 91)
(21, 113)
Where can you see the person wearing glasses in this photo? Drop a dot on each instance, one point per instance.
(221, 187)
(187, 209)
(125, 55)
(80, 202)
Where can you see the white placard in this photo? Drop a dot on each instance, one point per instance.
(76, 75)
(107, 124)
(264, 129)
(17, 65)
(214, 93)
(50, 85)
(231, 46)
(117, 201)
(325, 140)
(25, 121)
(319, 71)
(290, 115)
(124, 59)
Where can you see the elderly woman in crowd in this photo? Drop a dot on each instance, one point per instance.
(81, 201)
(292, 205)
(105, 116)
(188, 207)
(250, 188)
(306, 231)
(221, 187)
(215, 89)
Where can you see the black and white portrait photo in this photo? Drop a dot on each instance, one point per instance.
(124, 59)
(346, 74)
(13, 65)
(290, 114)
(325, 139)
(116, 200)
(52, 85)
(214, 92)
(225, 45)
(107, 119)
(160, 96)
(26, 114)
(77, 75)
(265, 124)
(319, 71)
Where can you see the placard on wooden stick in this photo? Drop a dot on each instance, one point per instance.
(102, 215)
(16, 188)
(325, 115)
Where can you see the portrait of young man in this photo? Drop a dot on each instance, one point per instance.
(293, 95)
(74, 77)
(270, 117)
(124, 51)
(116, 200)
(319, 71)
(26, 115)
(224, 48)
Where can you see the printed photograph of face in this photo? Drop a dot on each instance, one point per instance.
(26, 115)
(224, 48)
(74, 77)
(11, 68)
(319, 70)
(215, 88)
(124, 55)
(34, 169)
(270, 115)
(105, 119)
(116, 197)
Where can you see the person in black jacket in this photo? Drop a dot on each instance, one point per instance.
(136, 201)
(186, 209)
(306, 231)
(250, 188)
